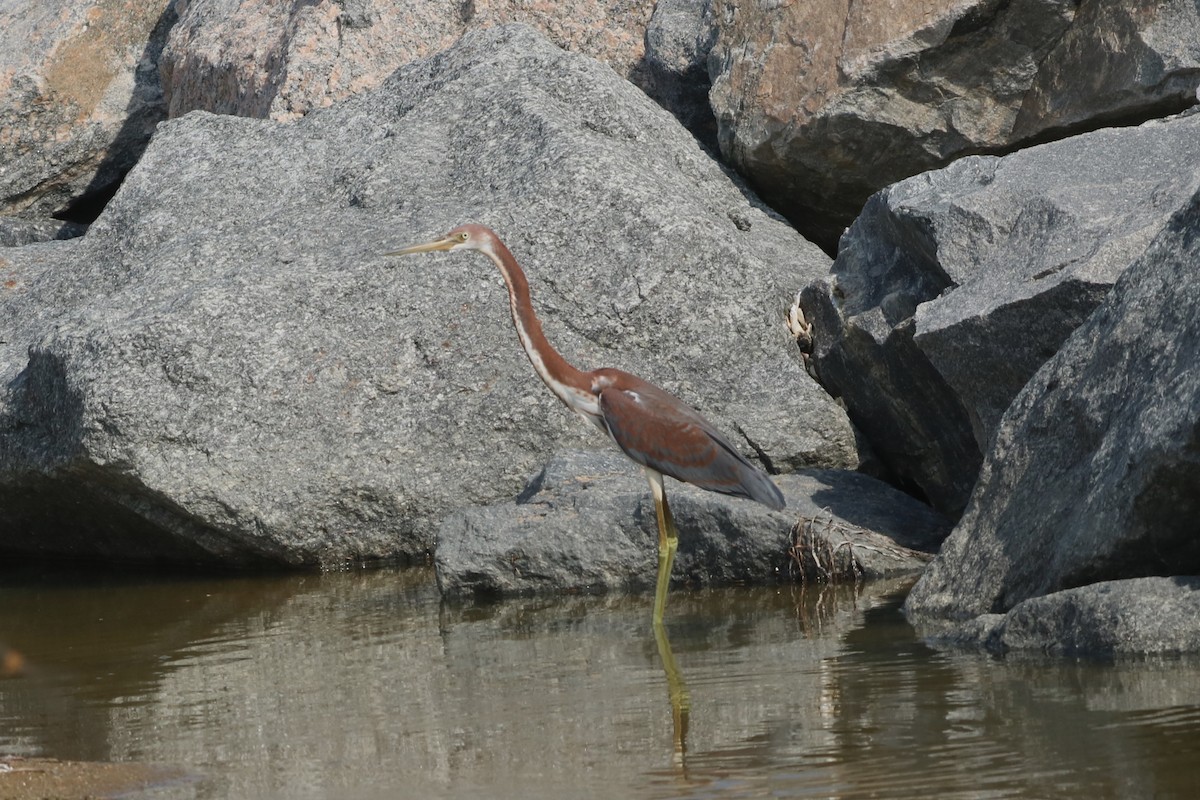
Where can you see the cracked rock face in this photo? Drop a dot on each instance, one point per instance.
(1094, 473)
(953, 287)
(225, 369)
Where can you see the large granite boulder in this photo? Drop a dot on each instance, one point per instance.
(586, 523)
(225, 368)
(79, 99)
(1094, 474)
(283, 59)
(83, 85)
(955, 286)
(822, 104)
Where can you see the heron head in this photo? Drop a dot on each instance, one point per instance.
(464, 237)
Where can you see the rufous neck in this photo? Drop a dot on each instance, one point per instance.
(558, 374)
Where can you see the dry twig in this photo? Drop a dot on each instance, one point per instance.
(814, 548)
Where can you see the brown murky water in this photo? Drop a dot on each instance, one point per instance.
(366, 685)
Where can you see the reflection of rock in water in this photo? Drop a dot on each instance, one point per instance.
(358, 684)
(87, 645)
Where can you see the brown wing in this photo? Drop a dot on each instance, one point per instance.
(659, 430)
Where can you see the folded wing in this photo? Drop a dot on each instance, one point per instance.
(658, 430)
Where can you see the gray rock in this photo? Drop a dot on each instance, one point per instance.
(953, 287)
(17, 231)
(281, 59)
(822, 104)
(226, 368)
(1095, 470)
(679, 38)
(587, 523)
(916, 429)
(1139, 616)
(79, 98)
(1117, 62)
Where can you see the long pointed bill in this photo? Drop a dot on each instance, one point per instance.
(428, 247)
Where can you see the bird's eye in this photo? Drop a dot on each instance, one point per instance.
(462, 237)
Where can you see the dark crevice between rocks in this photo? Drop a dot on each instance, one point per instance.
(768, 465)
(979, 18)
(85, 209)
(1162, 108)
(1159, 109)
(146, 109)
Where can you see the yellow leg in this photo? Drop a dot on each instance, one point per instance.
(668, 543)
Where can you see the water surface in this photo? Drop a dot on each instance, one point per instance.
(366, 685)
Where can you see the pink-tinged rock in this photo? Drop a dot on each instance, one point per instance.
(280, 60)
(79, 97)
(822, 103)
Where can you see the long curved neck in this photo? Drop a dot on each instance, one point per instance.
(567, 382)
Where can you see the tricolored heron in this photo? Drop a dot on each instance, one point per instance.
(654, 428)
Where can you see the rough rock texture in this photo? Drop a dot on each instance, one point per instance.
(821, 104)
(953, 287)
(1139, 616)
(283, 59)
(21, 230)
(225, 367)
(1116, 62)
(679, 38)
(1095, 470)
(586, 522)
(79, 97)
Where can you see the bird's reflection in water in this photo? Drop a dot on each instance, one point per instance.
(806, 622)
(681, 701)
(684, 702)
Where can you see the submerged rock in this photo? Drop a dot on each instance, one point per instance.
(1094, 473)
(225, 369)
(1138, 616)
(955, 286)
(587, 523)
